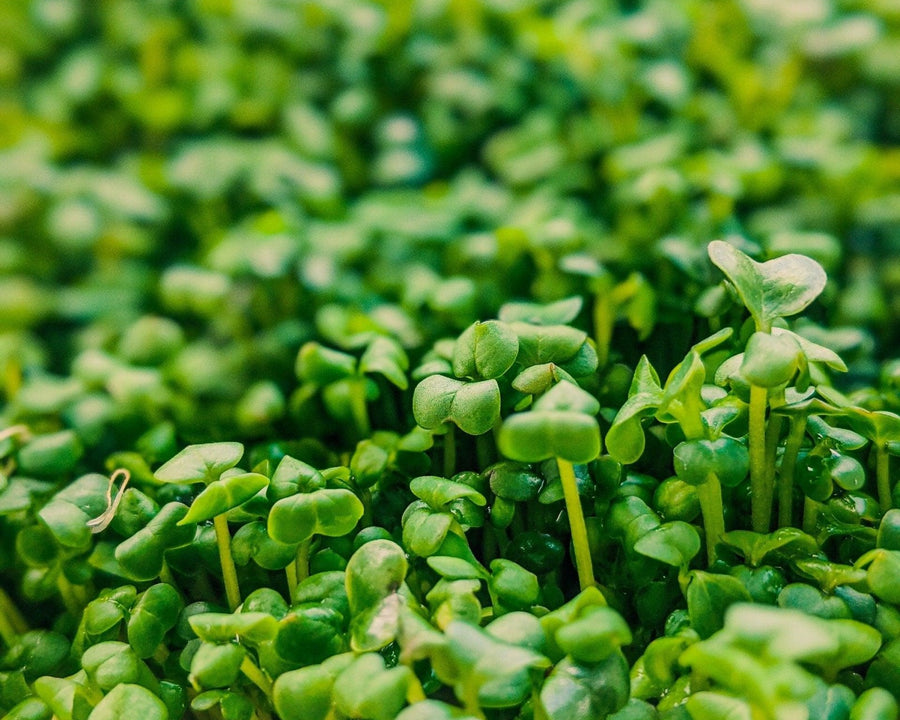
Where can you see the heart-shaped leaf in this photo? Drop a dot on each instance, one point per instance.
(252, 541)
(310, 635)
(331, 512)
(485, 350)
(501, 674)
(777, 288)
(540, 435)
(474, 407)
(142, 555)
(293, 476)
(770, 360)
(374, 571)
(424, 529)
(882, 573)
(254, 627)
(129, 700)
(725, 457)
(674, 543)
(547, 343)
(201, 463)
(439, 492)
(368, 689)
(223, 495)
(374, 577)
(568, 397)
(155, 613)
(575, 691)
(385, 357)
(595, 635)
(320, 365)
(555, 313)
(625, 439)
(537, 379)
(305, 694)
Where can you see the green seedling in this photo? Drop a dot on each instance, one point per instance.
(560, 426)
(206, 463)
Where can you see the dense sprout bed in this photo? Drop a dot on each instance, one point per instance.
(426, 359)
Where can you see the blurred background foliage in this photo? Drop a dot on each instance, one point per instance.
(191, 189)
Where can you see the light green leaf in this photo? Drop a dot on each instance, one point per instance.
(223, 495)
(201, 463)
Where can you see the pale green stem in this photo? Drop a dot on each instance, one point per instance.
(7, 632)
(788, 468)
(414, 691)
(165, 575)
(583, 563)
(359, 409)
(488, 543)
(883, 476)
(70, 595)
(10, 613)
(450, 451)
(810, 515)
(256, 676)
(229, 572)
(470, 699)
(161, 654)
(365, 497)
(301, 562)
(603, 325)
(290, 573)
(710, 495)
(540, 712)
(484, 450)
(760, 490)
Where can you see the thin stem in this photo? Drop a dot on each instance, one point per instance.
(415, 692)
(229, 572)
(256, 676)
(365, 497)
(603, 325)
(788, 467)
(161, 654)
(165, 575)
(290, 573)
(450, 451)
(773, 434)
(810, 515)
(583, 563)
(488, 543)
(540, 712)
(359, 409)
(301, 562)
(760, 490)
(7, 632)
(470, 700)
(883, 476)
(10, 613)
(710, 495)
(484, 450)
(69, 595)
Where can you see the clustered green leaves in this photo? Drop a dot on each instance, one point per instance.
(449, 360)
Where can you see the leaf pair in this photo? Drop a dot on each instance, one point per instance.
(560, 424)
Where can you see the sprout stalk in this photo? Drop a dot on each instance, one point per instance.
(710, 496)
(760, 489)
(583, 563)
(883, 476)
(229, 572)
(788, 468)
